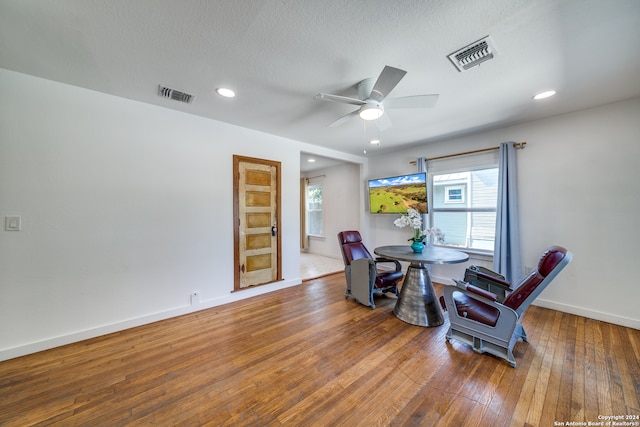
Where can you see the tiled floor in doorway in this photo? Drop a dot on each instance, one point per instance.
(312, 265)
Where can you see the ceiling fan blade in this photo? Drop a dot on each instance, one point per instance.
(338, 98)
(416, 101)
(344, 119)
(388, 79)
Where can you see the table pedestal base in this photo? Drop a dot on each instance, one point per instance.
(418, 303)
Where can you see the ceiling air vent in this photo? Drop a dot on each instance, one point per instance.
(176, 95)
(474, 54)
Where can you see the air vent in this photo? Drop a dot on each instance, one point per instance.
(474, 54)
(176, 95)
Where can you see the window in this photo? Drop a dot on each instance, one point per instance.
(454, 194)
(464, 197)
(314, 210)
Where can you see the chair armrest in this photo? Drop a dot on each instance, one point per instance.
(464, 286)
(479, 291)
(398, 266)
(362, 278)
(460, 284)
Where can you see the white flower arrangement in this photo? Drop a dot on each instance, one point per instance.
(413, 219)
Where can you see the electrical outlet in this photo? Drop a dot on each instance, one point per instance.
(195, 298)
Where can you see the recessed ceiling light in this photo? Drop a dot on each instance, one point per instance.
(544, 95)
(311, 160)
(374, 142)
(227, 93)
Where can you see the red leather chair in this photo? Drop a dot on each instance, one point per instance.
(364, 279)
(488, 325)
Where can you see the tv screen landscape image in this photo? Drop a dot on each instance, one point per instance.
(396, 194)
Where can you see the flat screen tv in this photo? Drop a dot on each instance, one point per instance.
(396, 194)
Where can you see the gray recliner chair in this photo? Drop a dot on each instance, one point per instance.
(479, 319)
(364, 278)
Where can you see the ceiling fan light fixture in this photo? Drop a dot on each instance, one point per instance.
(371, 112)
(372, 95)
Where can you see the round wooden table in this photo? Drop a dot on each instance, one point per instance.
(418, 303)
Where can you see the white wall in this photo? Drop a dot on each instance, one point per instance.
(342, 205)
(579, 185)
(126, 210)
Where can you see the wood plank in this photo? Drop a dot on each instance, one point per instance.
(307, 356)
(258, 219)
(258, 198)
(568, 338)
(552, 396)
(631, 359)
(525, 411)
(577, 391)
(258, 262)
(258, 177)
(542, 389)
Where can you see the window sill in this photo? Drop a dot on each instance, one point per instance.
(479, 256)
(475, 254)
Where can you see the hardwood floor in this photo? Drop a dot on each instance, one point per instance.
(306, 356)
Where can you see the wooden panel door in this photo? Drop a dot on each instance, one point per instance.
(256, 215)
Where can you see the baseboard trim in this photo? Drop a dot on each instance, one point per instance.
(591, 314)
(50, 343)
(578, 311)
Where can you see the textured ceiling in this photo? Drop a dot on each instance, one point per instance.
(278, 54)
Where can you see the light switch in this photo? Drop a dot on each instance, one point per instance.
(12, 223)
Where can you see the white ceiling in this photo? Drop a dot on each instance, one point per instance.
(278, 54)
(310, 162)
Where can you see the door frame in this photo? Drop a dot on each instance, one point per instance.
(237, 159)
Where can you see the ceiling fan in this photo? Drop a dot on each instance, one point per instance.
(372, 98)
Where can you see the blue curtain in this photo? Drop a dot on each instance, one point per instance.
(421, 166)
(506, 253)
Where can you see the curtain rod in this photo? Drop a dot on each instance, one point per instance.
(318, 176)
(519, 145)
